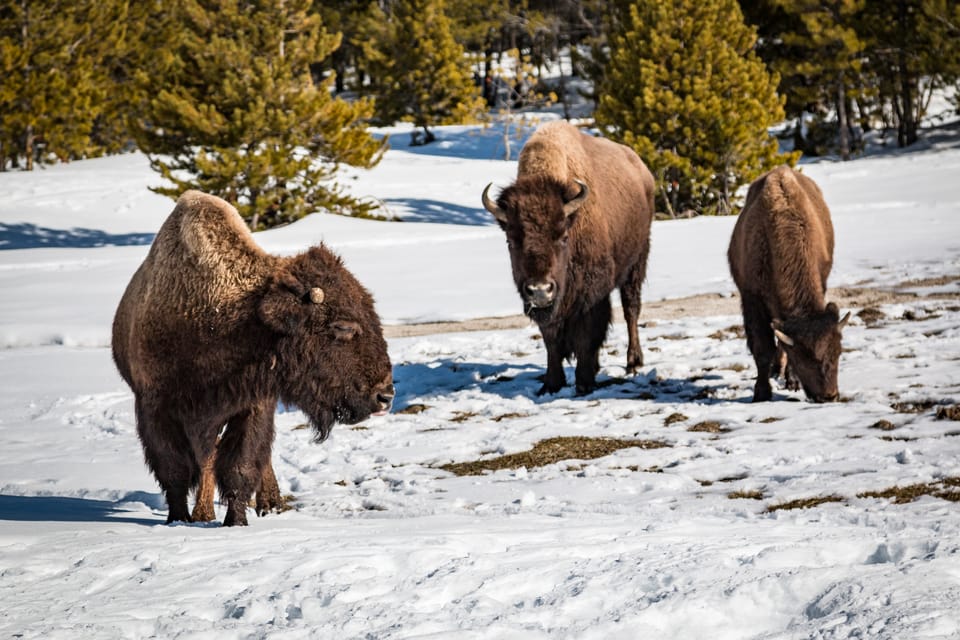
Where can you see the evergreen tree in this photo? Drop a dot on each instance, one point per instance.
(52, 82)
(684, 88)
(910, 43)
(419, 73)
(824, 67)
(230, 107)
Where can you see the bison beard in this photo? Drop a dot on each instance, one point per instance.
(212, 332)
(577, 222)
(780, 256)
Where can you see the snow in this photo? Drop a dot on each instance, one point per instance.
(642, 543)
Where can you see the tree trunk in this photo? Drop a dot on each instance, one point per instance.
(28, 150)
(842, 120)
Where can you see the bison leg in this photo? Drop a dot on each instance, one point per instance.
(760, 340)
(268, 495)
(170, 457)
(203, 508)
(555, 379)
(630, 298)
(589, 332)
(242, 453)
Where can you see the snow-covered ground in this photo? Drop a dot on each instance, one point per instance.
(678, 540)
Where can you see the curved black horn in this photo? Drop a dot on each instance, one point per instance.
(491, 206)
(570, 207)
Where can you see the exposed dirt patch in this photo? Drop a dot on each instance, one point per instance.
(883, 425)
(871, 316)
(551, 451)
(710, 304)
(918, 406)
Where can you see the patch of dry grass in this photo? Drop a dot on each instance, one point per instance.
(412, 409)
(946, 489)
(673, 418)
(752, 494)
(708, 426)
(551, 451)
(803, 503)
(883, 425)
(918, 406)
(949, 413)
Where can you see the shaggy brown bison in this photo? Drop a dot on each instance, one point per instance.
(577, 221)
(780, 256)
(212, 331)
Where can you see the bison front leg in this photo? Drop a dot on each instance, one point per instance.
(242, 456)
(555, 378)
(589, 332)
(760, 340)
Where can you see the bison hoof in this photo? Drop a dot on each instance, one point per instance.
(762, 393)
(549, 389)
(586, 389)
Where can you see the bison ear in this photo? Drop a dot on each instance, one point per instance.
(346, 330)
(281, 307)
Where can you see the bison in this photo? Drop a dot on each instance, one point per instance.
(577, 221)
(212, 332)
(780, 255)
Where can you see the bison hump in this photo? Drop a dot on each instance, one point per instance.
(206, 248)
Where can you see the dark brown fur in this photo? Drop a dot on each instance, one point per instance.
(780, 256)
(581, 257)
(213, 331)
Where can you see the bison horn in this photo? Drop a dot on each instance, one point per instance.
(571, 206)
(844, 322)
(782, 337)
(317, 295)
(492, 207)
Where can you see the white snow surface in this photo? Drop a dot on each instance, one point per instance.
(642, 543)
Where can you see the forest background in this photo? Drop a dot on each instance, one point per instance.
(261, 101)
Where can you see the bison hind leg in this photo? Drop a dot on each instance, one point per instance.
(268, 495)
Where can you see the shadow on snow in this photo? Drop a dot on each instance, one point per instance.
(29, 236)
(62, 509)
(415, 381)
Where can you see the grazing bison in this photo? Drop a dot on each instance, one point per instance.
(780, 256)
(577, 221)
(212, 331)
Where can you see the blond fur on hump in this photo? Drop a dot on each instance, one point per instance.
(206, 236)
(539, 156)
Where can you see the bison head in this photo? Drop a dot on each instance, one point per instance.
(537, 215)
(812, 345)
(331, 358)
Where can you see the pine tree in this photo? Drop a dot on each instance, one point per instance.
(52, 82)
(419, 73)
(230, 107)
(684, 88)
(911, 43)
(827, 52)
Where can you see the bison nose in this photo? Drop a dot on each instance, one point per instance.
(385, 398)
(540, 294)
